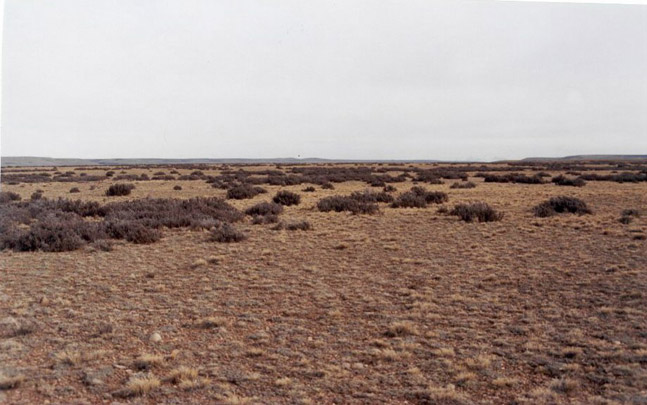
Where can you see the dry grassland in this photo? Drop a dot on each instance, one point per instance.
(408, 305)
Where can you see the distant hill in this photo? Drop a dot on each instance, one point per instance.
(46, 161)
(8, 161)
(588, 157)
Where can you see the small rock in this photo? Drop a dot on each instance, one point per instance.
(155, 338)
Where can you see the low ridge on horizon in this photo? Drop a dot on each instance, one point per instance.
(15, 161)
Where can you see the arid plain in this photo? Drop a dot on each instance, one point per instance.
(388, 303)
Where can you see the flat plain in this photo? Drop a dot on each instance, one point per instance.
(385, 304)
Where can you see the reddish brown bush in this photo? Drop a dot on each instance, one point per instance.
(288, 198)
(244, 192)
(8, 196)
(344, 203)
(479, 211)
(561, 204)
(264, 208)
(464, 184)
(119, 189)
(226, 233)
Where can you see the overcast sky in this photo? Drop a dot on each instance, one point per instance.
(335, 79)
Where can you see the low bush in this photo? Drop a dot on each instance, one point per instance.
(562, 180)
(561, 204)
(293, 226)
(132, 231)
(58, 225)
(409, 200)
(55, 232)
(389, 189)
(345, 203)
(75, 190)
(226, 233)
(327, 186)
(513, 178)
(308, 189)
(464, 184)
(8, 196)
(244, 191)
(418, 197)
(36, 196)
(119, 189)
(368, 196)
(287, 198)
(479, 211)
(264, 208)
(177, 188)
(265, 219)
(628, 215)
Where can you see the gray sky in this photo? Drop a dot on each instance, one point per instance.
(334, 79)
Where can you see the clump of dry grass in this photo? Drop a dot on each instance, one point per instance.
(283, 382)
(10, 382)
(199, 263)
(401, 328)
(147, 361)
(186, 378)
(141, 385)
(564, 385)
(74, 357)
(502, 382)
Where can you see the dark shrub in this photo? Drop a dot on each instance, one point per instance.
(479, 211)
(293, 226)
(265, 219)
(562, 180)
(264, 208)
(177, 188)
(226, 233)
(132, 231)
(389, 189)
(327, 186)
(288, 198)
(513, 178)
(344, 203)
(368, 196)
(628, 216)
(409, 200)
(53, 233)
(196, 213)
(8, 196)
(119, 189)
(75, 190)
(561, 204)
(626, 219)
(464, 184)
(110, 173)
(308, 189)
(418, 197)
(36, 196)
(244, 192)
(631, 213)
(103, 245)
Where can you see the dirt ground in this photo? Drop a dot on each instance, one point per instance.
(405, 306)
